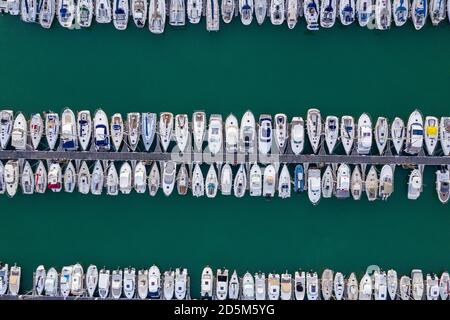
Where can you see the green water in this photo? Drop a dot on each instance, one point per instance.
(267, 69)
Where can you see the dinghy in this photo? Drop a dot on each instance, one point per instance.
(211, 183)
(153, 180)
(103, 12)
(431, 134)
(139, 12)
(182, 180)
(133, 127)
(255, 180)
(269, 177)
(19, 133)
(117, 131)
(112, 181)
(314, 185)
(46, 13)
(381, 134)
(177, 13)
(84, 129)
(398, 134)
(314, 127)
(328, 11)
(120, 14)
(226, 180)
(148, 129)
(157, 16)
(181, 131)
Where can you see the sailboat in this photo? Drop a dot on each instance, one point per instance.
(140, 177)
(352, 292)
(347, 132)
(414, 133)
(437, 11)
(227, 8)
(39, 280)
(311, 13)
(215, 133)
(297, 135)
(281, 132)
(231, 134)
(255, 180)
(194, 10)
(386, 186)
(343, 182)
(40, 178)
(198, 184)
(139, 12)
(84, 129)
(6, 125)
(52, 129)
(277, 12)
(314, 127)
(125, 178)
(383, 14)
(19, 133)
(381, 134)
(55, 177)
(28, 10)
(181, 131)
(444, 285)
(419, 13)
(104, 283)
(199, 129)
(347, 11)
(292, 13)
(328, 12)
(153, 180)
(46, 13)
(246, 11)
(444, 134)
(112, 180)
(331, 132)
(417, 285)
(2, 178)
(414, 184)
(133, 127)
(226, 180)
(284, 183)
(117, 131)
(339, 286)
(211, 183)
(240, 182)
(392, 284)
(400, 11)
(165, 129)
(299, 178)
(314, 185)
(142, 284)
(398, 134)
(11, 172)
(157, 16)
(366, 288)
(103, 12)
(260, 11)
(169, 284)
(182, 180)
(356, 186)
(84, 179)
(177, 15)
(91, 280)
(212, 15)
(371, 184)
(101, 131)
(233, 286)
(328, 183)
(431, 134)
(443, 185)
(364, 134)
(327, 284)
(84, 13)
(120, 14)
(65, 12)
(69, 135)
(269, 177)
(27, 179)
(405, 288)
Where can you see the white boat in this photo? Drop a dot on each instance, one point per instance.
(297, 135)
(142, 284)
(148, 129)
(265, 134)
(215, 133)
(255, 180)
(292, 12)
(38, 280)
(91, 280)
(133, 128)
(168, 177)
(260, 286)
(6, 125)
(28, 10)
(212, 15)
(383, 14)
(314, 185)
(312, 286)
(46, 13)
(328, 183)
(343, 182)
(154, 282)
(347, 11)
(157, 16)
(248, 287)
(417, 284)
(328, 12)
(226, 180)
(380, 285)
(103, 12)
(415, 184)
(386, 186)
(194, 10)
(260, 10)
(240, 182)
(11, 177)
(414, 133)
(339, 286)
(211, 183)
(444, 285)
(140, 177)
(84, 179)
(120, 14)
(356, 183)
(125, 178)
(432, 287)
(233, 287)
(221, 284)
(36, 130)
(299, 285)
(246, 11)
(129, 282)
(51, 283)
(116, 284)
(400, 11)
(398, 134)
(269, 183)
(182, 131)
(101, 131)
(165, 129)
(52, 124)
(169, 284)
(352, 290)
(311, 14)
(139, 13)
(227, 8)
(231, 134)
(69, 135)
(15, 274)
(27, 179)
(247, 135)
(365, 288)
(65, 281)
(331, 132)
(2, 178)
(198, 184)
(13, 7)
(284, 183)
(281, 132)
(54, 177)
(104, 283)
(112, 181)
(40, 178)
(77, 284)
(97, 178)
(443, 185)
(314, 128)
(19, 133)
(273, 286)
(405, 288)
(431, 134)
(84, 13)
(182, 180)
(154, 180)
(206, 285)
(381, 132)
(65, 12)
(177, 13)
(181, 275)
(327, 284)
(371, 184)
(277, 12)
(117, 131)
(444, 134)
(419, 13)
(199, 129)
(84, 129)
(364, 134)
(392, 284)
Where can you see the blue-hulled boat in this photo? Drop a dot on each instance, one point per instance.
(299, 178)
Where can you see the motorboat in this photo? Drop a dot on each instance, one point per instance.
(112, 180)
(215, 134)
(177, 13)
(417, 285)
(328, 183)
(117, 131)
(91, 280)
(27, 179)
(299, 178)
(142, 284)
(273, 286)
(292, 11)
(154, 282)
(299, 285)
(311, 14)
(157, 16)
(414, 133)
(400, 11)
(432, 286)
(19, 133)
(328, 12)
(39, 280)
(277, 12)
(366, 288)
(84, 13)
(103, 12)
(314, 126)
(312, 286)
(54, 177)
(383, 14)
(265, 134)
(221, 284)
(437, 11)
(207, 282)
(65, 12)
(65, 281)
(125, 178)
(198, 183)
(84, 178)
(431, 134)
(182, 131)
(211, 183)
(101, 131)
(405, 288)
(284, 183)
(15, 273)
(104, 283)
(120, 14)
(140, 177)
(182, 180)
(133, 127)
(371, 184)
(194, 10)
(154, 180)
(116, 284)
(46, 13)
(343, 182)
(331, 132)
(226, 180)
(347, 132)
(297, 135)
(231, 134)
(247, 134)
(97, 178)
(240, 182)
(40, 178)
(199, 129)
(248, 287)
(314, 185)
(169, 284)
(327, 284)
(129, 282)
(352, 289)
(84, 129)
(419, 13)
(386, 186)
(165, 129)
(227, 8)
(444, 133)
(444, 285)
(415, 184)
(281, 132)
(246, 11)
(36, 130)
(364, 134)
(347, 11)
(181, 278)
(443, 185)
(2, 178)
(77, 284)
(260, 286)
(269, 177)
(339, 286)
(381, 131)
(139, 12)
(11, 173)
(51, 283)
(212, 15)
(392, 284)
(255, 180)
(398, 134)
(6, 126)
(379, 285)
(234, 287)
(169, 177)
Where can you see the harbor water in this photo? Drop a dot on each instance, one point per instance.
(267, 69)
